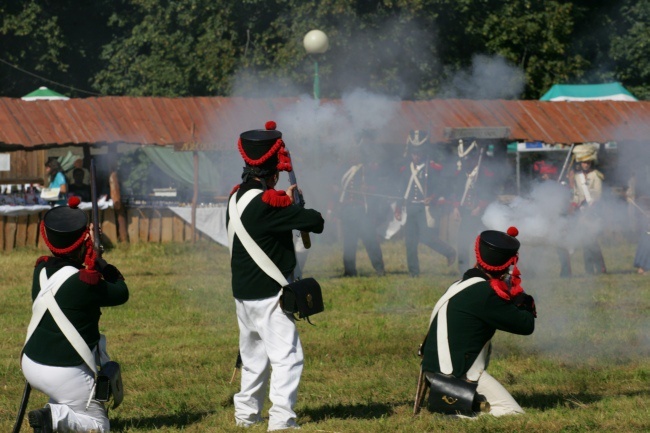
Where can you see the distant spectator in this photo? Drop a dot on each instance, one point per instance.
(78, 164)
(56, 179)
(78, 187)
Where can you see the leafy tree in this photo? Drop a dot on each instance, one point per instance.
(631, 48)
(55, 40)
(537, 37)
(33, 41)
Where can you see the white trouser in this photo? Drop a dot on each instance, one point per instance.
(501, 402)
(270, 346)
(68, 389)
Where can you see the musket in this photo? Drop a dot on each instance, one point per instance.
(566, 161)
(97, 242)
(420, 393)
(238, 365)
(423, 383)
(300, 201)
(22, 408)
(478, 171)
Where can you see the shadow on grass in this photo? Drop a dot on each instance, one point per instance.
(554, 400)
(156, 422)
(346, 411)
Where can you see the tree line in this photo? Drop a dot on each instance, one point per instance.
(411, 49)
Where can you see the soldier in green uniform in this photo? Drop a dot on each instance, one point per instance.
(260, 221)
(487, 298)
(81, 284)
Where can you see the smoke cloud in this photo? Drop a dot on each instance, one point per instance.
(490, 77)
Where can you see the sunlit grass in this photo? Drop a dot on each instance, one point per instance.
(585, 368)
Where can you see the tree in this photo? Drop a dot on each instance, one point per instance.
(32, 41)
(537, 37)
(630, 48)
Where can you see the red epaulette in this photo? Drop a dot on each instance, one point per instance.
(402, 169)
(434, 165)
(234, 190)
(488, 173)
(276, 198)
(41, 259)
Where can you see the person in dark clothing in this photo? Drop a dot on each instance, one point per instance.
(472, 189)
(489, 297)
(361, 213)
(77, 187)
(422, 191)
(260, 222)
(81, 284)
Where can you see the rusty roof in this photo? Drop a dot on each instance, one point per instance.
(218, 121)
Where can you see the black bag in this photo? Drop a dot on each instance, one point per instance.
(302, 297)
(109, 384)
(450, 395)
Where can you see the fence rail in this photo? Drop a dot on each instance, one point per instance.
(153, 225)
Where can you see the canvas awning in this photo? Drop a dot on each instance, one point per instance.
(588, 92)
(44, 94)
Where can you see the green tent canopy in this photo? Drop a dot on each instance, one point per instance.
(588, 92)
(180, 166)
(43, 93)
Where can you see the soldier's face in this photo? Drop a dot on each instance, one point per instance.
(586, 165)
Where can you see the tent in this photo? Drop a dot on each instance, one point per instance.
(43, 93)
(588, 92)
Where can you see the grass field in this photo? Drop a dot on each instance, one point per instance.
(585, 369)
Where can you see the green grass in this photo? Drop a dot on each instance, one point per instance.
(585, 369)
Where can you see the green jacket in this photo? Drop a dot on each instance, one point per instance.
(81, 304)
(473, 316)
(271, 228)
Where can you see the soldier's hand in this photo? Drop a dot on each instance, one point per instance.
(290, 191)
(525, 301)
(108, 271)
(398, 213)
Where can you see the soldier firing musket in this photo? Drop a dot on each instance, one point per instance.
(63, 347)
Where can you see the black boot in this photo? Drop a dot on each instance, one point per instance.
(41, 420)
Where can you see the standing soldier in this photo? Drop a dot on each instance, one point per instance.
(361, 210)
(473, 190)
(260, 221)
(422, 197)
(586, 195)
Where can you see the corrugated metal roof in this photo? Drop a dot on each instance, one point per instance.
(217, 121)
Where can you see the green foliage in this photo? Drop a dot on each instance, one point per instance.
(410, 49)
(631, 48)
(537, 37)
(134, 172)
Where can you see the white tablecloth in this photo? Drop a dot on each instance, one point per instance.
(209, 220)
(17, 210)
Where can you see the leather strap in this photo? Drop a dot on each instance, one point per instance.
(235, 226)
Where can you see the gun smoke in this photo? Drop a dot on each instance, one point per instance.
(325, 138)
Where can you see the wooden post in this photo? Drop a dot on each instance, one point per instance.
(195, 198)
(116, 196)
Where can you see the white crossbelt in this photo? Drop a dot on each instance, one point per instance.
(582, 182)
(442, 336)
(347, 178)
(414, 178)
(45, 301)
(235, 226)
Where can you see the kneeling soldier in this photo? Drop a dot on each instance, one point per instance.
(457, 348)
